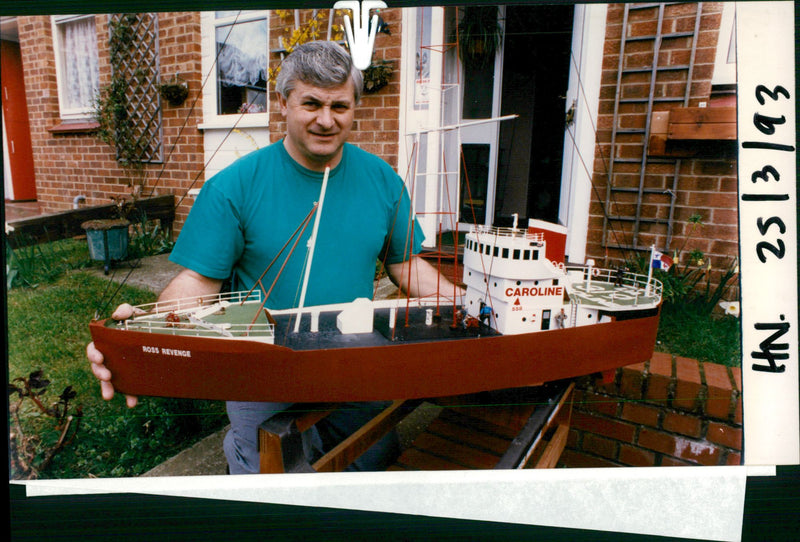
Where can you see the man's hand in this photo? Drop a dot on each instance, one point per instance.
(418, 278)
(186, 284)
(99, 369)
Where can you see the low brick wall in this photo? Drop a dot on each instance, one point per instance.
(667, 411)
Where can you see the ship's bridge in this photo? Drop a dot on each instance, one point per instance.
(510, 253)
(507, 270)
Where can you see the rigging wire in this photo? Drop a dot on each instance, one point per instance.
(189, 113)
(597, 143)
(103, 307)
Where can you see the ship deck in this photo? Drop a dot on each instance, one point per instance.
(607, 295)
(414, 330)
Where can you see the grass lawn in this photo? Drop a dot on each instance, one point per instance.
(685, 332)
(48, 331)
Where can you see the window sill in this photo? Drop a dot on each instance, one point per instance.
(74, 128)
(252, 120)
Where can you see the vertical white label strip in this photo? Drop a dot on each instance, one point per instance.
(768, 230)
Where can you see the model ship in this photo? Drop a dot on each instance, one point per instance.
(525, 318)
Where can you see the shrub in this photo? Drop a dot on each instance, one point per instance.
(38, 430)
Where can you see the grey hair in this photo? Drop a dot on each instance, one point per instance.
(323, 64)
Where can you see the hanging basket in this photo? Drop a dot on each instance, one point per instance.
(377, 75)
(175, 92)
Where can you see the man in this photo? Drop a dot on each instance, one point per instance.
(246, 213)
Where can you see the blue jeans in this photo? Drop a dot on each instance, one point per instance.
(241, 441)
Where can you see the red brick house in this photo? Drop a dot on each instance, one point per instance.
(594, 144)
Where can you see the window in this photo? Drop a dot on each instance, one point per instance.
(241, 48)
(75, 46)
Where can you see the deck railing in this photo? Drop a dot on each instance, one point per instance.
(192, 303)
(260, 331)
(496, 231)
(649, 287)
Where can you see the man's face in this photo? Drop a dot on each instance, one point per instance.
(318, 122)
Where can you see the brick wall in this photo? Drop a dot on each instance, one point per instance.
(668, 411)
(68, 164)
(377, 118)
(706, 186)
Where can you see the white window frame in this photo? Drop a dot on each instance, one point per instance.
(69, 113)
(725, 60)
(211, 119)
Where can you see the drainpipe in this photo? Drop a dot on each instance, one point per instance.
(77, 200)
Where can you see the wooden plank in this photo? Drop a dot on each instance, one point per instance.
(415, 459)
(505, 408)
(455, 451)
(673, 132)
(529, 439)
(359, 442)
(472, 435)
(270, 453)
(659, 122)
(314, 414)
(67, 224)
(552, 452)
(705, 131)
(702, 115)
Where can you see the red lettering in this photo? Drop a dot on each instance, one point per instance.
(550, 290)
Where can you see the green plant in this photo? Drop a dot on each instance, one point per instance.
(479, 35)
(116, 128)
(36, 437)
(685, 331)
(377, 75)
(47, 327)
(175, 91)
(31, 264)
(688, 281)
(113, 108)
(148, 239)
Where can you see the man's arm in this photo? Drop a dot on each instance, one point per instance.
(186, 284)
(189, 283)
(418, 278)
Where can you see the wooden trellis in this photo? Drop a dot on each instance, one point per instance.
(133, 44)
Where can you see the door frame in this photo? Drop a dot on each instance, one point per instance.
(588, 37)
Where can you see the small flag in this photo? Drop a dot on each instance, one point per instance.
(660, 261)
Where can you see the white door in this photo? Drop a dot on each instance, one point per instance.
(481, 86)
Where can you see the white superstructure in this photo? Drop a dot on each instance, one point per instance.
(508, 271)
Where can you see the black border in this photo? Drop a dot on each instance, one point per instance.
(771, 508)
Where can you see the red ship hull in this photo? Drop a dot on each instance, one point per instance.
(207, 368)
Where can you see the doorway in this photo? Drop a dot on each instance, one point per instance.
(514, 167)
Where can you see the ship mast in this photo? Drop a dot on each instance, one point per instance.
(311, 242)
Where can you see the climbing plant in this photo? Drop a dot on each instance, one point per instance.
(128, 109)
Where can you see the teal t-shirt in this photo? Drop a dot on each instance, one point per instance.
(246, 214)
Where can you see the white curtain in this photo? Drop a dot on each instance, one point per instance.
(79, 54)
(243, 58)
